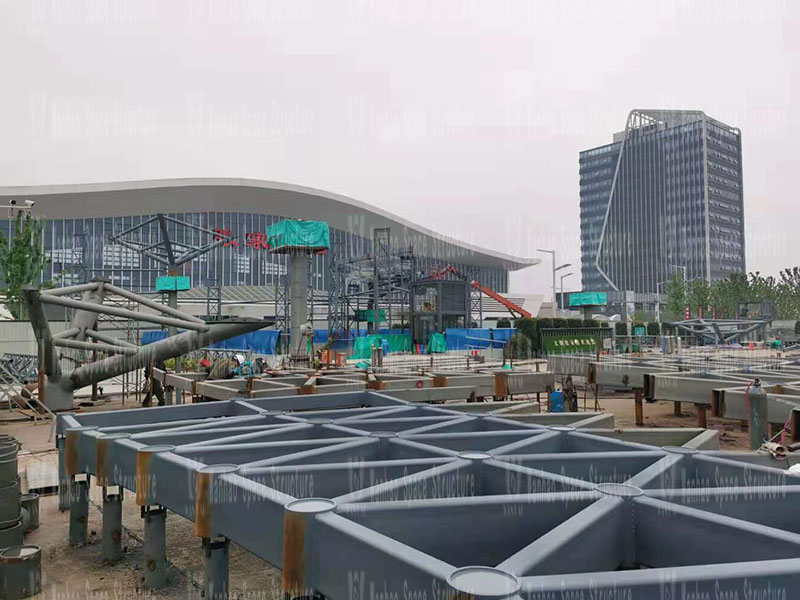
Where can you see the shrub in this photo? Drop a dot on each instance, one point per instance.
(621, 328)
(527, 327)
(591, 324)
(574, 322)
(519, 346)
(503, 324)
(653, 328)
(559, 323)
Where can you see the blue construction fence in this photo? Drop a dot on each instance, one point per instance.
(265, 341)
(472, 339)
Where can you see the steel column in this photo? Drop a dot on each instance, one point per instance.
(63, 478)
(298, 290)
(112, 526)
(79, 510)
(155, 546)
(638, 407)
(215, 585)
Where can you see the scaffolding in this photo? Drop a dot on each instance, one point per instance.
(214, 298)
(79, 265)
(374, 288)
(129, 331)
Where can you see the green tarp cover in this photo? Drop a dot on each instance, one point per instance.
(437, 343)
(362, 348)
(398, 342)
(303, 234)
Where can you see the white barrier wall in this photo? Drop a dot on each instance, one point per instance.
(17, 336)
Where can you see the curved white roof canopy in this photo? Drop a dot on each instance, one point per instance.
(129, 198)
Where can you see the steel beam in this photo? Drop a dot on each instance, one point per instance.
(361, 490)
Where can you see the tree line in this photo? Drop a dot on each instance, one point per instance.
(721, 299)
(21, 261)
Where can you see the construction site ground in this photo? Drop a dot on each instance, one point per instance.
(78, 573)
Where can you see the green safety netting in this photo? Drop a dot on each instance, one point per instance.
(437, 343)
(362, 348)
(299, 234)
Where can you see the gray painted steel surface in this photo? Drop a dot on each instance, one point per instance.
(362, 495)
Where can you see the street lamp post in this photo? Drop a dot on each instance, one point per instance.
(553, 254)
(682, 268)
(658, 300)
(555, 268)
(562, 289)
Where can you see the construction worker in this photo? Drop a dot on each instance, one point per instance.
(570, 395)
(154, 386)
(223, 368)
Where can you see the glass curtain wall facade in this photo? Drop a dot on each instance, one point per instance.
(665, 196)
(246, 261)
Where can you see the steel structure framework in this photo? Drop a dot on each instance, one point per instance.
(378, 280)
(715, 380)
(337, 301)
(282, 314)
(421, 385)
(165, 248)
(61, 373)
(79, 268)
(363, 495)
(721, 331)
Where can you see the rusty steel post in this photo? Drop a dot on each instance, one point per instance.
(298, 547)
(701, 415)
(638, 406)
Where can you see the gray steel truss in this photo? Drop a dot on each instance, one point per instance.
(84, 336)
(721, 331)
(357, 495)
(715, 381)
(420, 386)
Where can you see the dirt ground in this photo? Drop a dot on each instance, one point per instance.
(79, 573)
(661, 414)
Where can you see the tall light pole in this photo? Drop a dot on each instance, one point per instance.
(658, 300)
(683, 268)
(562, 289)
(555, 268)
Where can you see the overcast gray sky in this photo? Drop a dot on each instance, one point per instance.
(464, 116)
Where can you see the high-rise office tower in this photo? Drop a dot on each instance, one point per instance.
(665, 195)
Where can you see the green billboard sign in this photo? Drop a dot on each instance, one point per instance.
(588, 299)
(168, 283)
(368, 315)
